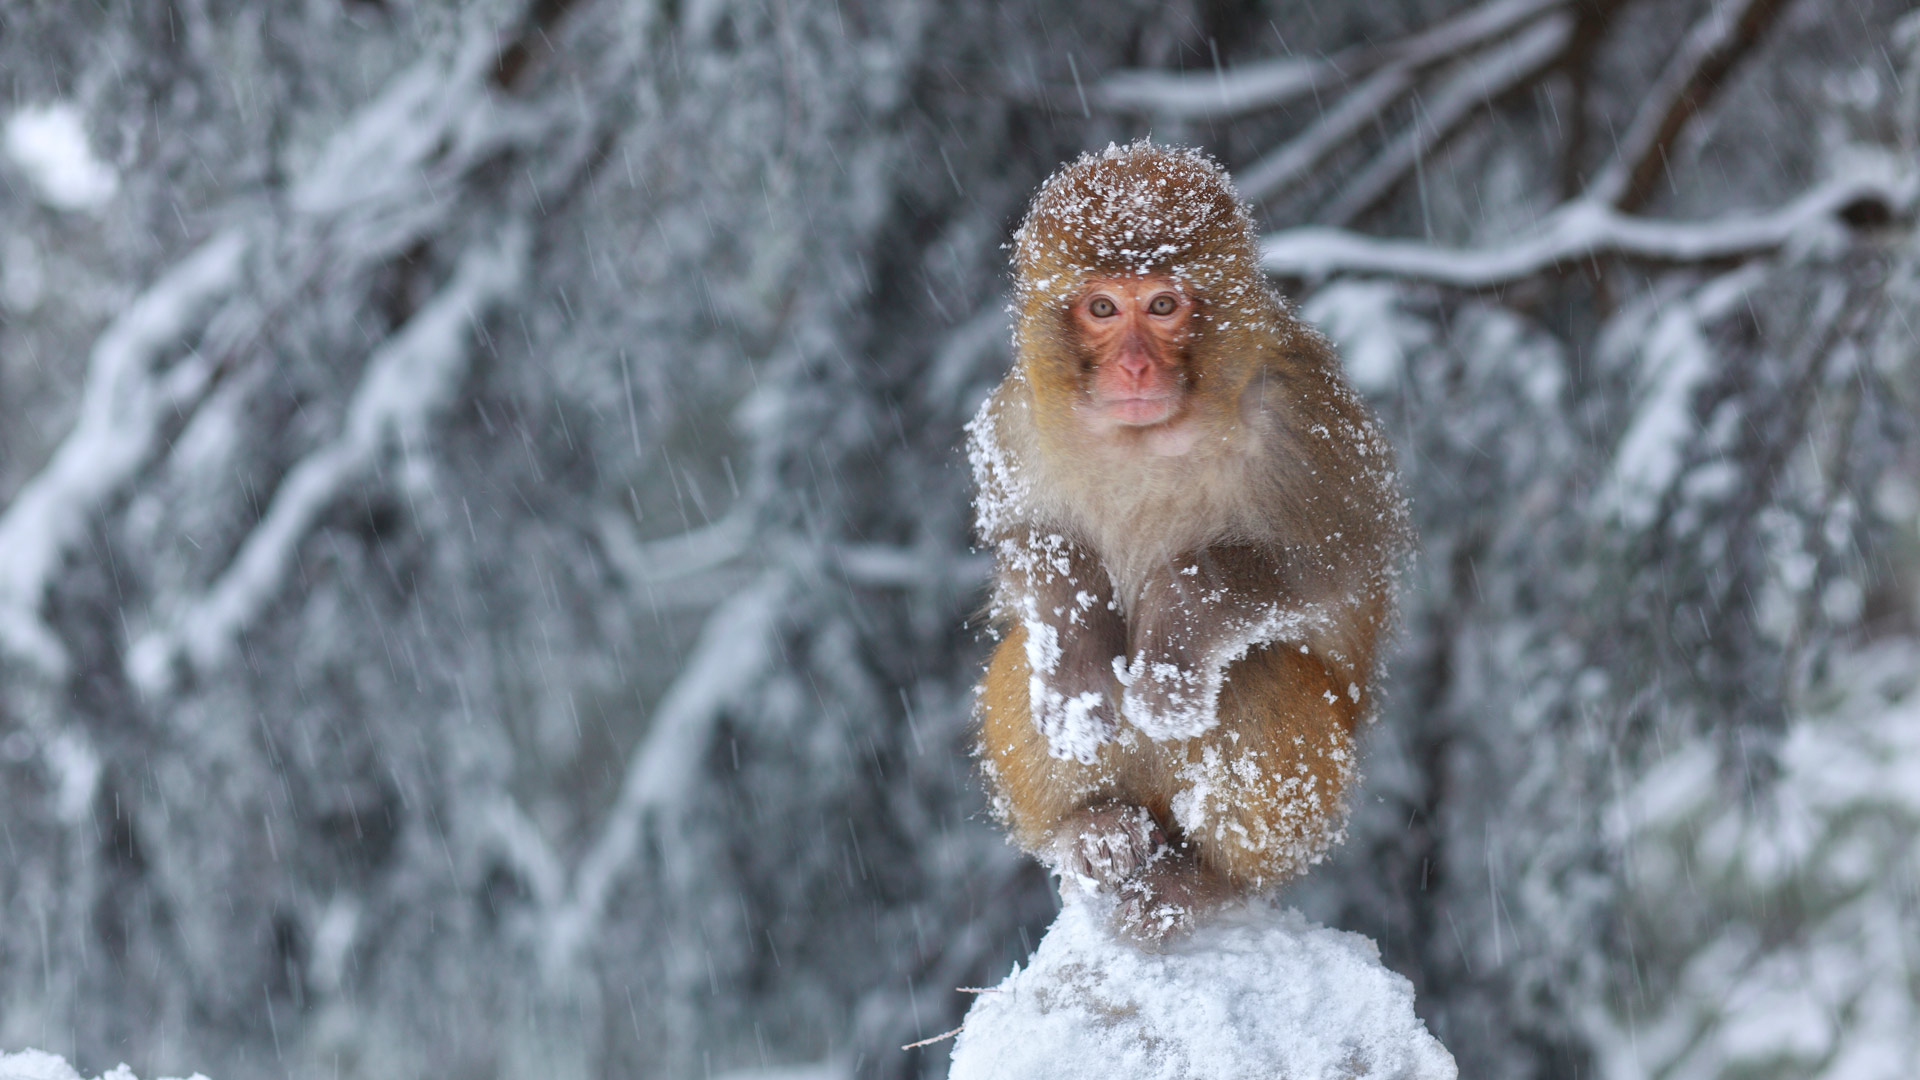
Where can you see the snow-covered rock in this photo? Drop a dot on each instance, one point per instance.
(1259, 993)
(40, 1065)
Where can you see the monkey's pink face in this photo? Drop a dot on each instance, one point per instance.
(1135, 330)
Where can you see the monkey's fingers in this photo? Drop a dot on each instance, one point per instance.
(1107, 845)
(1162, 905)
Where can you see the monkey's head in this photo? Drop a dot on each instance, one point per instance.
(1138, 290)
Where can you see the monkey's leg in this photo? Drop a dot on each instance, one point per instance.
(1083, 818)
(1262, 796)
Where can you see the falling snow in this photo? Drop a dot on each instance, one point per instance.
(488, 584)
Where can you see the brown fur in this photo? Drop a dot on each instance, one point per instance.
(1271, 492)
(1274, 715)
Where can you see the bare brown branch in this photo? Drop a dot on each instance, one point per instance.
(1693, 75)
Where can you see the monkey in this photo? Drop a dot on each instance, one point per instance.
(1196, 527)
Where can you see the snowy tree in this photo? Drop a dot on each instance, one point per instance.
(484, 583)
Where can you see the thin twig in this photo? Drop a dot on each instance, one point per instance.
(942, 1037)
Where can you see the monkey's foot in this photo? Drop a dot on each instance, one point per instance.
(1103, 846)
(1162, 904)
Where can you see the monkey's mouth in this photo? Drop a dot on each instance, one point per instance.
(1142, 411)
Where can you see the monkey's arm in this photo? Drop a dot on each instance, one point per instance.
(1200, 613)
(1063, 599)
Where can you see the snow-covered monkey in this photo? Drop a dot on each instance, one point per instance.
(1196, 526)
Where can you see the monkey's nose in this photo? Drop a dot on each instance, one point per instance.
(1133, 357)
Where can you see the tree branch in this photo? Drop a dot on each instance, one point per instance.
(1515, 63)
(735, 646)
(1692, 76)
(122, 408)
(1397, 73)
(407, 379)
(1242, 89)
(1269, 84)
(1578, 231)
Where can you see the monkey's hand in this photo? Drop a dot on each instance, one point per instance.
(1193, 618)
(1071, 688)
(1102, 847)
(1161, 905)
(1075, 725)
(1063, 602)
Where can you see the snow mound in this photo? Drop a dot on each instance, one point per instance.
(1260, 992)
(40, 1065)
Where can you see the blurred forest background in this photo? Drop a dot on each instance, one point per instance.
(484, 567)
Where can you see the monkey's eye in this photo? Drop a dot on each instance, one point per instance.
(1163, 304)
(1102, 308)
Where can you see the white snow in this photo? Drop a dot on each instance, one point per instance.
(1260, 993)
(76, 767)
(1187, 702)
(48, 143)
(40, 1065)
(1365, 319)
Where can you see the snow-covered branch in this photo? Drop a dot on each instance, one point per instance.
(122, 410)
(887, 566)
(373, 189)
(1441, 113)
(734, 648)
(407, 381)
(1361, 107)
(1358, 110)
(674, 558)
(1269, 84)
(1578, 231)
(1691, 76)
(1242, 89)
